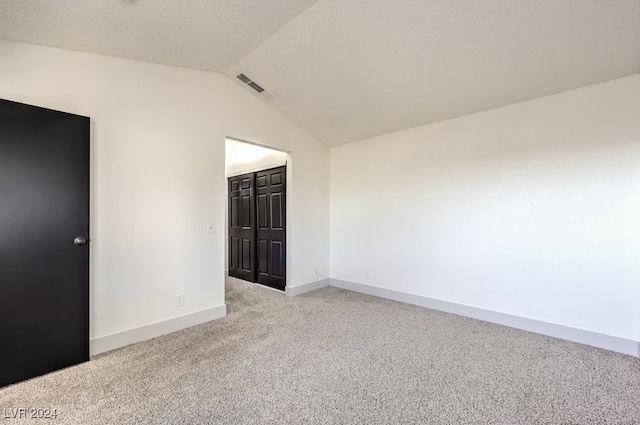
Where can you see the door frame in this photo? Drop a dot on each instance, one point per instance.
(288, 163)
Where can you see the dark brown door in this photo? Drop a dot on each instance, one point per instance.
(271, 216)
(242, 230)
(44, 230)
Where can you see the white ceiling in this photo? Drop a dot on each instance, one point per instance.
(350, 69)
(201, 34)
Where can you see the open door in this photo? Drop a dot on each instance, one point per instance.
(44, 233)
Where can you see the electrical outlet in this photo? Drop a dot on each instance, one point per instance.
(366, 274)
(315, 271)
(179, 300)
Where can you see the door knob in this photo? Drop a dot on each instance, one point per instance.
(80, 241)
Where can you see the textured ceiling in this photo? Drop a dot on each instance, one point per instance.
(350, 69)
(203, 34)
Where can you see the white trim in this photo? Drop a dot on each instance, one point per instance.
(608, 342)
(120, 339)
(292, 291)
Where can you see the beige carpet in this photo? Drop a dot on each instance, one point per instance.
(337, 357)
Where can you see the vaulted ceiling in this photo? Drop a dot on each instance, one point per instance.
(346, 70)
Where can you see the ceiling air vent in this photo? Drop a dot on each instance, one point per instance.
(244, 78)
(264, 93)
(256, 87)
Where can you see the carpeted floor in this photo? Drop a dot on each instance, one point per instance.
(337, 357)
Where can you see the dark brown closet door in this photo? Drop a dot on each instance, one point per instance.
(242, 233)
(271, 220)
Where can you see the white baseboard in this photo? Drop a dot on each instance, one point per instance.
(292, 291)
(608, 342)
(120, 339)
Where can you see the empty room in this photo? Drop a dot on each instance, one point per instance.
(320, 211)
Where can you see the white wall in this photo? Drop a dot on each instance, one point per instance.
(531, 210)
(243, 157)
(158, 142)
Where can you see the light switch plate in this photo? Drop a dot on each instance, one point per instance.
(211, 228)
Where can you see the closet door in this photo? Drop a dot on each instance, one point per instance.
(271, 221)
(242, 231)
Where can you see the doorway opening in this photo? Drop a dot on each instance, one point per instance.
(256, 213)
